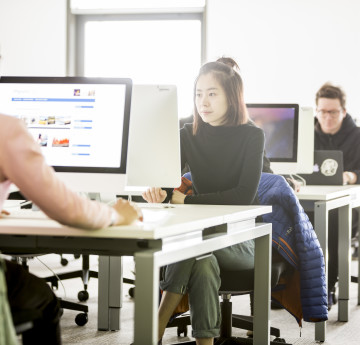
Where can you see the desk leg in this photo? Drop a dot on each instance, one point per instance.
(344, 251)
(321, 228)
(110, 293)
(262, 290)
(146, 299)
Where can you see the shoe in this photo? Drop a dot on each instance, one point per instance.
(330, 301)
(355, 253)
(332, 298)
(333, 295)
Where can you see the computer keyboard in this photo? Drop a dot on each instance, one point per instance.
(155, 215)
(145, 205)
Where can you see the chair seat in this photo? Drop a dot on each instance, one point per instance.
(239, 283)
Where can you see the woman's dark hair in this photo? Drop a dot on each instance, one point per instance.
(225, 71)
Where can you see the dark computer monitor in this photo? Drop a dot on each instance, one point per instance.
(287, 145)
(280, 124)
(81, 124)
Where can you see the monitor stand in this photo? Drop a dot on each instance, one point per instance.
(105, 198)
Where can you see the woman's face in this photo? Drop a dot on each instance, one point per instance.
(210, 99)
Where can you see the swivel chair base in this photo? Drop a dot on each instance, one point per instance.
(81, 319)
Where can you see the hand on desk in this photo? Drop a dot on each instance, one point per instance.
(127, 211)
(158, 195)
(154, 195)
(295, 185)
(349, 177)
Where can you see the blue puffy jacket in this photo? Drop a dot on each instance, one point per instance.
(293, 236)
(295, 239)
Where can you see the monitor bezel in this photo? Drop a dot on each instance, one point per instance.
(87, 80)
(294, 158)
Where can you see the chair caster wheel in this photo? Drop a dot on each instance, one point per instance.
(64, 262)
(280, 340)
(83, 296)
(182, 329)
(77, 256)
(81, 319)
(132, 292)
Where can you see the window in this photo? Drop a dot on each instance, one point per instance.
(149, 48)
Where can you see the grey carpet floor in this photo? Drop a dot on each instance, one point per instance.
(337, 333)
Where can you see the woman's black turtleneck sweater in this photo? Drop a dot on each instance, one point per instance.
(225, 163)
(347, 140)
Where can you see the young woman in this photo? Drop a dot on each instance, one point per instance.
(224, 152)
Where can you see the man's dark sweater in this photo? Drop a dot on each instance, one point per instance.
(225, 163)
(347, 140)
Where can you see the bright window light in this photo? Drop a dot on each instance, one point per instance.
(148, 52)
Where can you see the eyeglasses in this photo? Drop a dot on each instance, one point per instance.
(332, 113)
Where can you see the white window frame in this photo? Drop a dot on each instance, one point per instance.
(81, 20)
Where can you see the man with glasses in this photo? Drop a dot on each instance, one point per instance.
(336, 130)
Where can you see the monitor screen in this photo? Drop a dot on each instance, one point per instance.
(280, 125)
(80, 123)
(290, 151)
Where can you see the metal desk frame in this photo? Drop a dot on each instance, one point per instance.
(154, 246)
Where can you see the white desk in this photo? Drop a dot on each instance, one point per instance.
(322, 199)
(179, 237)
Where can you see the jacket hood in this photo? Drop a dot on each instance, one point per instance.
(348, 125)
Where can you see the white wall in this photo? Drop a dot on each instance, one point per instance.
(33, 37)
(287, 49)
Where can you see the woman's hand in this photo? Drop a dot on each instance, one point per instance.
(294, 184)
(127, 211)
(154, 195)
(177, 197)
(349, 177)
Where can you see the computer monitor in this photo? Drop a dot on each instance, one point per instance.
(81, 124)
(289, 135)
(154, 139)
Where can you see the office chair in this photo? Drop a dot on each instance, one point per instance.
(237, 283)
(64, 261)
(85, 274)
